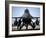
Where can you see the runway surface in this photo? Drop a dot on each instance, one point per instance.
(14, 28)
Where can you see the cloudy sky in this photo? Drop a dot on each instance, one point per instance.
(19, 11)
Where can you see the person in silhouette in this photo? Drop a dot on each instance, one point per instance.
(26, 22)
(23, 20)
(15, 22)
(37, 21)
(19, 23)
(29, 22)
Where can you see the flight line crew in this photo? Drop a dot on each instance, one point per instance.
(26, 21)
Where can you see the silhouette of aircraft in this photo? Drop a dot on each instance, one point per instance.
(27, 15)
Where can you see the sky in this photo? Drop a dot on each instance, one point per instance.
(19, 11)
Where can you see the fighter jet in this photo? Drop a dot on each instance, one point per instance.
(27, 19)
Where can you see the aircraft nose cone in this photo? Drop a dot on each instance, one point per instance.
(26, 14)
(26, 11)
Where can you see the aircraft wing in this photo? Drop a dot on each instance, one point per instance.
(23, 17)
(35, 17)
